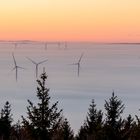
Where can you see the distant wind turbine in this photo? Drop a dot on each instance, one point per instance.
(59, 44)
(46, 45)
(15, 44)
(16, 67)
(37, 64)
(66, 45)
(78, 64)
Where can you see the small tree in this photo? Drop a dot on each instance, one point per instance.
(67, 133)
(18, 132)
(82, 134)
(64, 131)
(43, 119)
(92, 127)
(114, 108)
(135, 129)
(128, 127)
(5, 121)
(94, 118)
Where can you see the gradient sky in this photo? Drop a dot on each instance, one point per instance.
(71, 20)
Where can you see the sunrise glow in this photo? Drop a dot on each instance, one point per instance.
(71, 20)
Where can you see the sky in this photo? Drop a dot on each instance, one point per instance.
(70, 20)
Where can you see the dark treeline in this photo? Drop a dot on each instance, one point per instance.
(44, 121)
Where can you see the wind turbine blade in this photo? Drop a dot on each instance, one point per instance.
(31, 60)
(14, 59)
(43, 61)
(20, 67)
(13, 68)
(74, 64)
(80, 57)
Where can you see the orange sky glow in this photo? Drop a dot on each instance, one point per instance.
(70, 20)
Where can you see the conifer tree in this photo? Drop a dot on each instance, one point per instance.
(18, 132)
(82, 134)
(64, 131)
(93, 124)
(67, 132)
(135, 129)
(94, 118)
(114, 123)
(43, 118)
(5, 121)
(128, 127)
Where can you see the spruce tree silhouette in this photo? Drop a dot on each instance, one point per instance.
(43, 119)
(67, 132)
(128, 127)
(114, 108)
(92, 128)
(5, 122)
(94, 118)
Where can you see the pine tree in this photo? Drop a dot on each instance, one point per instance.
(43, 119)
(5, 121)
(18, 132)
(94, 118)
(67, 133)
(64, 131)
(114, 123)
(82, 134)
(93, 124)
(128, 127)
(135, 129)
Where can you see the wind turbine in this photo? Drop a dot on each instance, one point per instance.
(59, 44)
(46, 45)
(65, 45)
(78, 64)
(36, 64)
(15, 44)
(16, 66)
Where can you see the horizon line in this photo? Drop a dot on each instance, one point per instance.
(58, 41)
